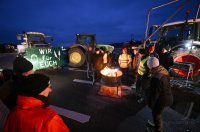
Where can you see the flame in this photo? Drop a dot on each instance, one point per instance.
(111, 72)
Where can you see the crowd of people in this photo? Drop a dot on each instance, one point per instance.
(151, 78)
(27, 93)
(150, 75)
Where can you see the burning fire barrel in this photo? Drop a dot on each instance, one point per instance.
(110, 82)
(111, 76)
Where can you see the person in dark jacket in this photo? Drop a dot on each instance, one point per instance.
(32, 112)
(159, 94)
(90, 61)
(98, 64)
(166, 60)
(135, 62)
(8, 91)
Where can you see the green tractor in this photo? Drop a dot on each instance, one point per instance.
(77, 52)
(37, 48)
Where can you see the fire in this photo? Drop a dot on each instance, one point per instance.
(111, 72)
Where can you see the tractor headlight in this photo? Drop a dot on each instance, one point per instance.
(189, 46)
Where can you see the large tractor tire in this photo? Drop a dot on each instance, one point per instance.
(76, 57)
(186, 57)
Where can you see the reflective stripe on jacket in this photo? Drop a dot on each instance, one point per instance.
(142, 69)
(124, 60)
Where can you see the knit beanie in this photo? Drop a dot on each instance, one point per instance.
(21, 65)
(34, 84)
(152, 62)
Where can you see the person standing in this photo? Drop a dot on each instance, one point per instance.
(159, 94)
(124, 61)
(32, 112)
(142, 81)
(98, 64)
(166, 60)
(8, 91)
(135, 62)
(90, 61)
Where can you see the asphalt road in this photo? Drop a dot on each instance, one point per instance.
(106, 113)
(99, 113)
(84, 110)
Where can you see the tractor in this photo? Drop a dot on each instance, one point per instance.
(77, 52)
(38, 51)
(182, 37)
(31, 40)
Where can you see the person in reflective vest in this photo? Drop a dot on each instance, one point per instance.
(143, 75)
(142, 68)
(124, 61)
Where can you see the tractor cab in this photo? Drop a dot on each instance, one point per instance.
(183, 39)
(33, 39)
(88, 40)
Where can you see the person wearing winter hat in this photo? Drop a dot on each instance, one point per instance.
(159, 93)
(152, 62)
(22, 66)
(8, 91)
(32, 112)
(34, 84)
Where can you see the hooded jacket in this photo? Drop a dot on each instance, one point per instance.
(160, 89)
(30, 115)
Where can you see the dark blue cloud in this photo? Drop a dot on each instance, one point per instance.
(110, 20)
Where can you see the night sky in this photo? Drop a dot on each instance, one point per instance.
(111, 20)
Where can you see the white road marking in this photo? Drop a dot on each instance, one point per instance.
(75, 69)
(82, 118)
(126, 87)
(82, 81)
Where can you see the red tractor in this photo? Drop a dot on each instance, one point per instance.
(183, 38)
